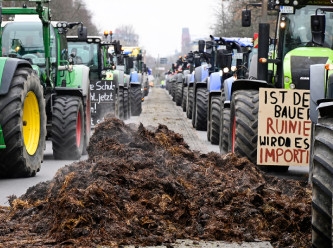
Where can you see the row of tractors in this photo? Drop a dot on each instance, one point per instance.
(118, 75)
(276, 107)
(58, 87)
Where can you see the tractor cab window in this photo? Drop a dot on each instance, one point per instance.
(24, 40)
(84, 53)
(298, 28)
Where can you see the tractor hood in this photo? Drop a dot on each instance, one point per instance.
(297, 63)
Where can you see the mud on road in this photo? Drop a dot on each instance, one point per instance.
(145, 186)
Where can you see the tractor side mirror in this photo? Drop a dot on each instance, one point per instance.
(82, 33)
(246, 18)
(318, 29)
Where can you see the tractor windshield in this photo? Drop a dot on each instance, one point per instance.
(298, 27)
(84, 53)
(25, 40)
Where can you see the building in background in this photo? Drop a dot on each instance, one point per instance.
(186, 41)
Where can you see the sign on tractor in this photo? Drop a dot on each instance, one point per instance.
(284, 127)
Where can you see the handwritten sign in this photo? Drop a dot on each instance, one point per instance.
(284, 127)
(103, 99)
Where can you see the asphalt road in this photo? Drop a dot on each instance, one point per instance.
(19, 186)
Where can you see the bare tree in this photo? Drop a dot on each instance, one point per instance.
(228, 19)
(126, 35)
(64, 10)
(73, 11)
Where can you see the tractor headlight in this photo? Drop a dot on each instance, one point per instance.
(225, 70)
(233, 68)
(329, 67)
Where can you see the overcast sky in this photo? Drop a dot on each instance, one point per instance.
(158, 23)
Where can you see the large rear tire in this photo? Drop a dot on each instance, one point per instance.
(215, 119)
(87, 123)
(120, 103)
(322, 183)
(126, 105)
(178, 95)
(67, 128)
(200, 117)
(243, 133)
(136, 100)
(23, 121)
(224, 130)
(184, 99)
(189, 107)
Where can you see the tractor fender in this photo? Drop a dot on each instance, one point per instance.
(126, 80)
(118, 77)
(179, 78)
(247, 84)
(187, 79)
(135, 78)
(8, 67)
(325, 108)
(214, 82)
(201, 73)
(80, 83)
(227, 84)
(85, 81)
(317, 89)
(78, 79)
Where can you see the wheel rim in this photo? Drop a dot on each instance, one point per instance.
(31, 123)
(233, 135)
(78, 129)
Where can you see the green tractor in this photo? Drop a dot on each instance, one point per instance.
(43, 95)
(298, 72)
(106, 82)
(279, 79)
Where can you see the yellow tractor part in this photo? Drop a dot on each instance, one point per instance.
(31, 123)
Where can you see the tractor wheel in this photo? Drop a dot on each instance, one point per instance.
(200, 118)
(184, 99)
(136, 100)
(126, 105)
(224, 124)
(189, 106)
(178, 95)
(87, 124)
(322, 179)
(209, 123)
(23, 122)
(224, 130)
(173, 91)
(120, 103)
(67, 128)
(215, 120)
(243, 133)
